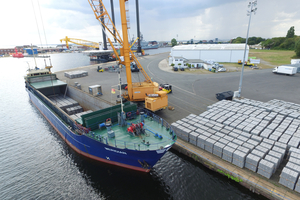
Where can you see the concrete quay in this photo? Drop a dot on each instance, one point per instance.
(252, 181)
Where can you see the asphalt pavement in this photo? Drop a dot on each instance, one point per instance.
(192, 93)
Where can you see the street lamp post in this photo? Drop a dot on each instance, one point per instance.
(252, 4)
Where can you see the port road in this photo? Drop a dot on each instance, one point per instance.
(192, 93)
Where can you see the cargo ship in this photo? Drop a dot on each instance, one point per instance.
(122, 135)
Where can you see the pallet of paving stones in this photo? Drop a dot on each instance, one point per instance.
(78, 115)
(289, 176)
(67, 104)
(247, 133)
(76, 74)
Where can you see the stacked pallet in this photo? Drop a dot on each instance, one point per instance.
(245, 132)
(252, 162)
(239, 158)
(67, 104)
(76, 74)
(288, 178)
(290, 174)
(265, 168)
(74, 110)
(78, 115)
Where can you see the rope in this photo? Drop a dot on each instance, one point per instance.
(37, 25)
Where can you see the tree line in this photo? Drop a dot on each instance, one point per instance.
(289, 42)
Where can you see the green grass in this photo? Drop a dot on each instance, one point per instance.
(274, 57)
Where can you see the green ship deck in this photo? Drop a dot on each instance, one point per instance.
(147, 141)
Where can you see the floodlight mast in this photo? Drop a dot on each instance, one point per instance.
(252, 4)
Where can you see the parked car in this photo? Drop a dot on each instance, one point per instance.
(134, 68)
(222, 69)
(175, 68)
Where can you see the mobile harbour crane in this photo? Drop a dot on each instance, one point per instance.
(147, 91)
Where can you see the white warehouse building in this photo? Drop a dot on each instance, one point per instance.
(210, 52)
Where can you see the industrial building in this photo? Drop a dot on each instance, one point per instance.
(208, 53)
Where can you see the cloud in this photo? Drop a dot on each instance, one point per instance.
(160, 20)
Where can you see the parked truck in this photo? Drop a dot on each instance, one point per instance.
(285, 70)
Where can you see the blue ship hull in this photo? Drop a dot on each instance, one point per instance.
(86, 146)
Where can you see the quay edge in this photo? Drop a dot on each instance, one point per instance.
(252, 181)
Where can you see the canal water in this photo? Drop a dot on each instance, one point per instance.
(37, 164)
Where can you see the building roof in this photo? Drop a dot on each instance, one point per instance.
(210, 47)
(194, 61)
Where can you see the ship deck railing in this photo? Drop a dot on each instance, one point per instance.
(136, 143)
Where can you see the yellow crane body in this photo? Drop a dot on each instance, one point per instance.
(137, 91)
(80, 42)
(156, 103)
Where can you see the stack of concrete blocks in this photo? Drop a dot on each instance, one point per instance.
(252, 161)
(69, 105)
(290, 175)
(238, 158)
(288, 178)
(218, 149)
(297, 186)
(78, 115)
(63, 102)
(76, 74)
(74, 110)
(245, 132)
(295, 159)
(227, 153)
(266, 168)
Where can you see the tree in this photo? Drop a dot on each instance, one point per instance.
(173, 42)
(297, 48)
(238, 40)
(291, 32)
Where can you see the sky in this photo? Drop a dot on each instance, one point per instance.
(26, 22)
